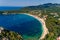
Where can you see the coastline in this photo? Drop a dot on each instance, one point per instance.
(45, 30)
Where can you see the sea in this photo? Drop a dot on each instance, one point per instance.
(29, 27)
(7, 8)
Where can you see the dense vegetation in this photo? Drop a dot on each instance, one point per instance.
(53, 25)
(10, 35)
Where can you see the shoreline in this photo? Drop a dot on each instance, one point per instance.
(45, 30)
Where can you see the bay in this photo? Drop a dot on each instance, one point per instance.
(27, 26)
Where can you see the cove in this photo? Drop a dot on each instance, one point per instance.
(27, 26)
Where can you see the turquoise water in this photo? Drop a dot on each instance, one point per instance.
(29, 27)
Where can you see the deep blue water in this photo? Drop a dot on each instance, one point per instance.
(2, 8)
(28, 26)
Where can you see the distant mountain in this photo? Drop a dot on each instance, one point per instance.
(43, 6)
(49, 7)
(6, 8)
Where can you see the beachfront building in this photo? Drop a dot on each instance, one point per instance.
(54, 14)
(45, 16)
(5, 13)
(35, 12)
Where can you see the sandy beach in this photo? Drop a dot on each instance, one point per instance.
(45, 30)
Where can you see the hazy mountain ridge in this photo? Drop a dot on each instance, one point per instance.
(47, 7)
(43, 6)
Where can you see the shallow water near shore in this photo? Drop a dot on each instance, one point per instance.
(29, 27)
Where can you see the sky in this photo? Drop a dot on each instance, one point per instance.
(26, 2)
